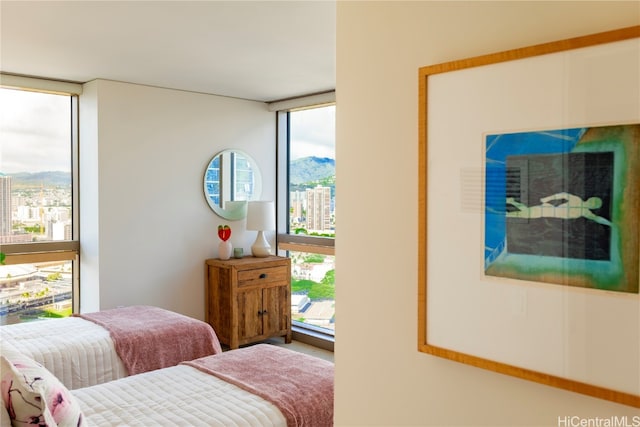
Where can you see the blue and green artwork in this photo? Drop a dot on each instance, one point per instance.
(561, 206)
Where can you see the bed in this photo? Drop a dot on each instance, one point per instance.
(261, 385)
(95, 348)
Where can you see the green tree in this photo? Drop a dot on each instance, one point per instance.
(53, 277)
(314, 258)
(314, 290)
(329, 278)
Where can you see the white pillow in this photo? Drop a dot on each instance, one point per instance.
(32, 395)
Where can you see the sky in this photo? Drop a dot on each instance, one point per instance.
(35, 132)
(313, 133)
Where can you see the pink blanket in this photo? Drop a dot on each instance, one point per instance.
(148, 338)
(301, 386)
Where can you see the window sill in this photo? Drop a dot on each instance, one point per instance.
(313, 337)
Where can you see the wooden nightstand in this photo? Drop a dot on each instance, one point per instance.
(248, 299)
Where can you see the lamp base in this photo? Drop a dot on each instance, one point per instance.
(261, 247)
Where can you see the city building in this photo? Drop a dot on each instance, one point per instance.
(318, 209)
(5, 205)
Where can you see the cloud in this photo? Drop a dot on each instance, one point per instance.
(35, 130)
(313, 133)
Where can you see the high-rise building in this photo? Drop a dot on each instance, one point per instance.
(5, 205)
(59, 230)
(319, 208)
(297, 201)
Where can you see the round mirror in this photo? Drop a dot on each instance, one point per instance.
(232, 178)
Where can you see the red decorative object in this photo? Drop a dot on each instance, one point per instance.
(224, 232)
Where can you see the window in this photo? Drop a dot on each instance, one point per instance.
(307, 214)
(38, 231)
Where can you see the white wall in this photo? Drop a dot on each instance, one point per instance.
(381, 378)
(146, 227)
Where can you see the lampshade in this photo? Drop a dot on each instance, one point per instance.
(261, 216)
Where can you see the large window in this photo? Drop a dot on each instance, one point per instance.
(307, 213)
(38, 232)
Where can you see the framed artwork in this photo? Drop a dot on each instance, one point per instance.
(529, 261)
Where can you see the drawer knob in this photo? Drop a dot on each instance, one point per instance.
(263, 276)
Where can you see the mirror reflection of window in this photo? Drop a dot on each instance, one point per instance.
(231, 179)
(212, 181)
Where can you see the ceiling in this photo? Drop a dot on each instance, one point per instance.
(257, 50)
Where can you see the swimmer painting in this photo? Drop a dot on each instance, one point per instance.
(572, 207)
(560, 205)
(563, 206)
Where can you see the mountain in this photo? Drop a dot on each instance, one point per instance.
(35, 179)
(302, 171)
(310, 169)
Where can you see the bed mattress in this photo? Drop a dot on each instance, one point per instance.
(95, 348)
(89, 356)
(175, 396)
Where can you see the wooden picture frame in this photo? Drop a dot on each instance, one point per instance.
(554, 329)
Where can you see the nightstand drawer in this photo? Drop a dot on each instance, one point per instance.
(262, 276)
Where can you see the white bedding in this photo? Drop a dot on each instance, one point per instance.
(175, 396)
(89, 357)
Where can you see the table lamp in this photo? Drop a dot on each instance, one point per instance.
(261, 217)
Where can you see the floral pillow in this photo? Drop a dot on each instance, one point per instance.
(32, 395)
